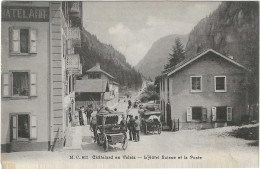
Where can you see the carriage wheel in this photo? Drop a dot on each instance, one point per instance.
(99, 140)
(105, 145)
(124, 143)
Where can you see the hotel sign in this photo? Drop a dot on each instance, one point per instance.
(25, 14)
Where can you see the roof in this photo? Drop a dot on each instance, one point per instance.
(97, 69)
(152, 113)
(91, 85)
(188, 61)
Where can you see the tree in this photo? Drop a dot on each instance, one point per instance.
(177, 54)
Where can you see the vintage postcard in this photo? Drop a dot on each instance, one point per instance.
(129, 84)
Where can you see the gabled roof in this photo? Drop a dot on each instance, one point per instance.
(97, 69)
(190, 60)
(91, 86)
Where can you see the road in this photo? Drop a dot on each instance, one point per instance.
(202, 148)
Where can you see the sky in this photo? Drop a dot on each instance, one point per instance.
(132, 27)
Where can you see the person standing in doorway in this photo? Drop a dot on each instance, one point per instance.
(137, 124)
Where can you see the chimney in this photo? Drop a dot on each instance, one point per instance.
(98, 65)
(230, 57)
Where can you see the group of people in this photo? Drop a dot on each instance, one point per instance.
(88, 111)
(133, 126)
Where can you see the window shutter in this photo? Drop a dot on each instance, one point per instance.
(6, 85)
(14, 127)
(229, 113)
(33, 41)
(189, 114)
(33, 127)
(204, 114)
(214, 113)
(14, 40)
(33, 84)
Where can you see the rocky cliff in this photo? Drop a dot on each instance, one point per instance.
(232, 29)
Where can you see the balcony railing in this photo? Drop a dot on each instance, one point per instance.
(73, 64)
(73, 34)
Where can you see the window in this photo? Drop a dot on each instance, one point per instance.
(22, 41)
(196, 114)
(196, 82)
(94, 76)
(220, 84)
(19, 84)
(23, 127)
(222, 113)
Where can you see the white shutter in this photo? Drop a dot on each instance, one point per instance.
(214, 113)
(189, 114)
(6, 85)
(15, 40)
(33, 41)
(33, 127)
(229, 113)
(33, 84)
(14, 127)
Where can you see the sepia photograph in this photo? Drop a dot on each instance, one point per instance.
(129, 84)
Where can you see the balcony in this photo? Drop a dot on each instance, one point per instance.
(73, 64)
(73, 34)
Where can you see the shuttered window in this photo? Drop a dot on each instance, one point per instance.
(23, 127)
(19, 84)
(22, 41)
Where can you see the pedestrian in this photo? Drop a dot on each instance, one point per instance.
(123, 123)
(83, 110)
(93, 124)
(81, 120)
(128, 113)
(130, 126)
(137, 129)
(89, 112)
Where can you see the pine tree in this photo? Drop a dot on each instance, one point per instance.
(177, 54)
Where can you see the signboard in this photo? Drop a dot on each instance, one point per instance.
(25, 14)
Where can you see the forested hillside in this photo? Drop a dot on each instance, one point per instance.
(111, 61)
(153, 62)
(232, 29)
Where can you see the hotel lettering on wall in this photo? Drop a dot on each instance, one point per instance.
(25, 14)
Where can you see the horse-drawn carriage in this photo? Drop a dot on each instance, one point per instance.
(109, 131)
(150, 117)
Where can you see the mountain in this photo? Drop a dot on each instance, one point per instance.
(232, 29)
(111, 61)
(153, 62)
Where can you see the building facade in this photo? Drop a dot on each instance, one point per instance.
(98, 88)
(206, 91)
(38, 72)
